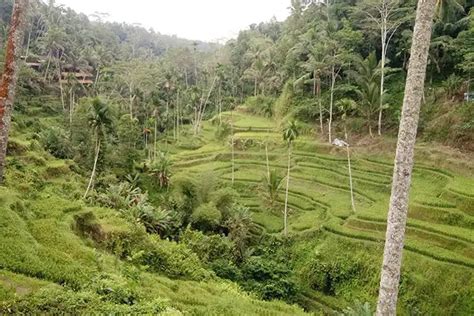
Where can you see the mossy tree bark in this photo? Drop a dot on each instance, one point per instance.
(10, 75)
(397, 215)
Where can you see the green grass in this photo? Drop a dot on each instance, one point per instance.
(40, 251)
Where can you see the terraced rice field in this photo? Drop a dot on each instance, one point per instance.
(441, 215)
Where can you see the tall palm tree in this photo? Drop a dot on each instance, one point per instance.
(346, 105)
(99, 120)
(397, 214)
(290, 134)
(10, 75)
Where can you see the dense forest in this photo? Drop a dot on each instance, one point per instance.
(149, 174)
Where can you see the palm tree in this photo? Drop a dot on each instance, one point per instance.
(397, 214)
(290, 133)
(239, 225)
(366, 75)
(272, 183)
(346, 105)
(99, 121)
(160, 170)
(10, 75)
(449, 10)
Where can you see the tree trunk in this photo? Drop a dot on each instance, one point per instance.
(155, 135)
(28, 46)
(232, 145)
(130, 105)
(331, 102)
(350, 169)
(268, 162)
(47, 67)
(255, 87)
(397, 215)
(61, 86)
(285, 214)
(382, 78)
(10, 75)
(321, 125)
(177, 115)
(94, 168)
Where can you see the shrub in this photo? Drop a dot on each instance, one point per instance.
(105, 295)
(175, 260)
(224, 200)
(113, 289)
(260, 105)
(156, 255)
(206, 217)
(226, 269)
(208, 248)
(185, 194)
(85, 225)
(55, 141)
(223, 131)
(327, 275)
(268, 279)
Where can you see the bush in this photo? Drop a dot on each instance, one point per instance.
(206, 217)
(185, 195)
(105, 295)
(269, 279)
(55, 141)
(223, 131)
(156, 255)
(224, 199)
(113, 289)
(328, 275)
(226, 269)
(175, 260)
(208, 248)
(260, 105)
(85, 225)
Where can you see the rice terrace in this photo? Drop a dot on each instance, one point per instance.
(320, 162)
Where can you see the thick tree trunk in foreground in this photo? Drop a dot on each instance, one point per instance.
(10, 74)
(397, 215)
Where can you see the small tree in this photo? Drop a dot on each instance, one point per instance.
(272, 184)
(160, 170)
(290, 134)
(239, 225)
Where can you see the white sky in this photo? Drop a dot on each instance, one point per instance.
(208, 20)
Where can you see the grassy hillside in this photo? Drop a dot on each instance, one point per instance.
(439, 249)
(61, 254)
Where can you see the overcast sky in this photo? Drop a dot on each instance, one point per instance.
(208, 20)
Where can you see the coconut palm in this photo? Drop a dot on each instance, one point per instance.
(345, 106)
(366, 76)
(160, 170)
(99, 120)
(272, 184)
(397, 214)
(239, 225)
(290, 134)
